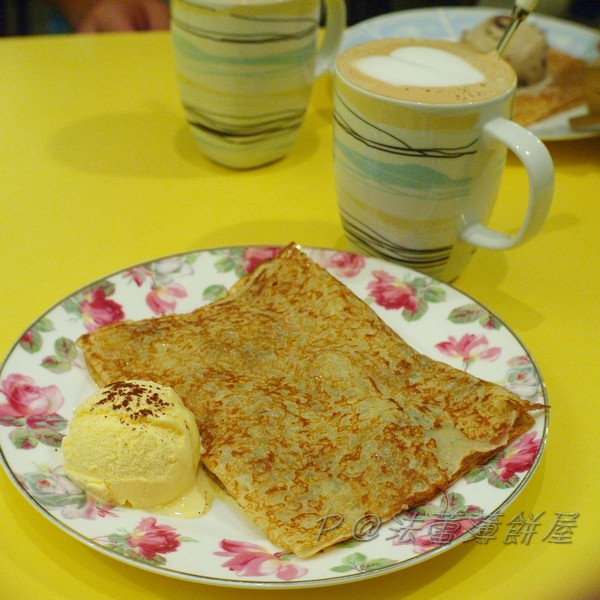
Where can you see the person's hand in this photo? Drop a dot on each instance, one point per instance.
(93, 16)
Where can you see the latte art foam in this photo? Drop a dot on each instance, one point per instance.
(413, 65)
(428, 71)
(242, 3)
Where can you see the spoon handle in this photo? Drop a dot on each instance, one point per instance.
(528, 5)
(520, 10)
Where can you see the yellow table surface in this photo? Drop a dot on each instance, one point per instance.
(98, 172)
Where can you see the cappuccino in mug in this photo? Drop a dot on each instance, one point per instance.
(432, 71)
(421, 129)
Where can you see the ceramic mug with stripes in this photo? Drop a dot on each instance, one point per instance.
(245, 69)
(421, 131)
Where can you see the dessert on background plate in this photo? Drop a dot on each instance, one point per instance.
(527, 51)
(549, 81)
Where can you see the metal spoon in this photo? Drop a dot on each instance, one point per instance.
(521, 9)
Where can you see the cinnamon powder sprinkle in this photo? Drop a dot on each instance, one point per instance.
(139, 400)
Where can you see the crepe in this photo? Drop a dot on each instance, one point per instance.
(313, 413)
(562, 88)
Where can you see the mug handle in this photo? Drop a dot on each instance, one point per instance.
(335, 25)
(540, 172)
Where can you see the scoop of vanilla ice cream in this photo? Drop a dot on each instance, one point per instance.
(527, 51)
(133, 443)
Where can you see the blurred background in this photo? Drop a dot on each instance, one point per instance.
(35, 17)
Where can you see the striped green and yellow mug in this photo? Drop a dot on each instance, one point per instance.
(245, 69)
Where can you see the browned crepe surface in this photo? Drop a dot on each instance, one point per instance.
(309, 405)
(560, 90)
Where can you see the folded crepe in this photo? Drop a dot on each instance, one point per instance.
(309, 405)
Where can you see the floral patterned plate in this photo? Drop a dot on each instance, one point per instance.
(44, 377)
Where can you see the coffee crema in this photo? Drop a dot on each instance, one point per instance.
(429, 71)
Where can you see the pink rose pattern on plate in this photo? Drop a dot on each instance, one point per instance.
(31, 410)
(147, 543)
(53, 489)
(469, 348)
(504, 469)
(521, 378)
(341, 264)
(411, 295)
(160, 276)
(435, 524)
(252, 560)
(94, 306)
